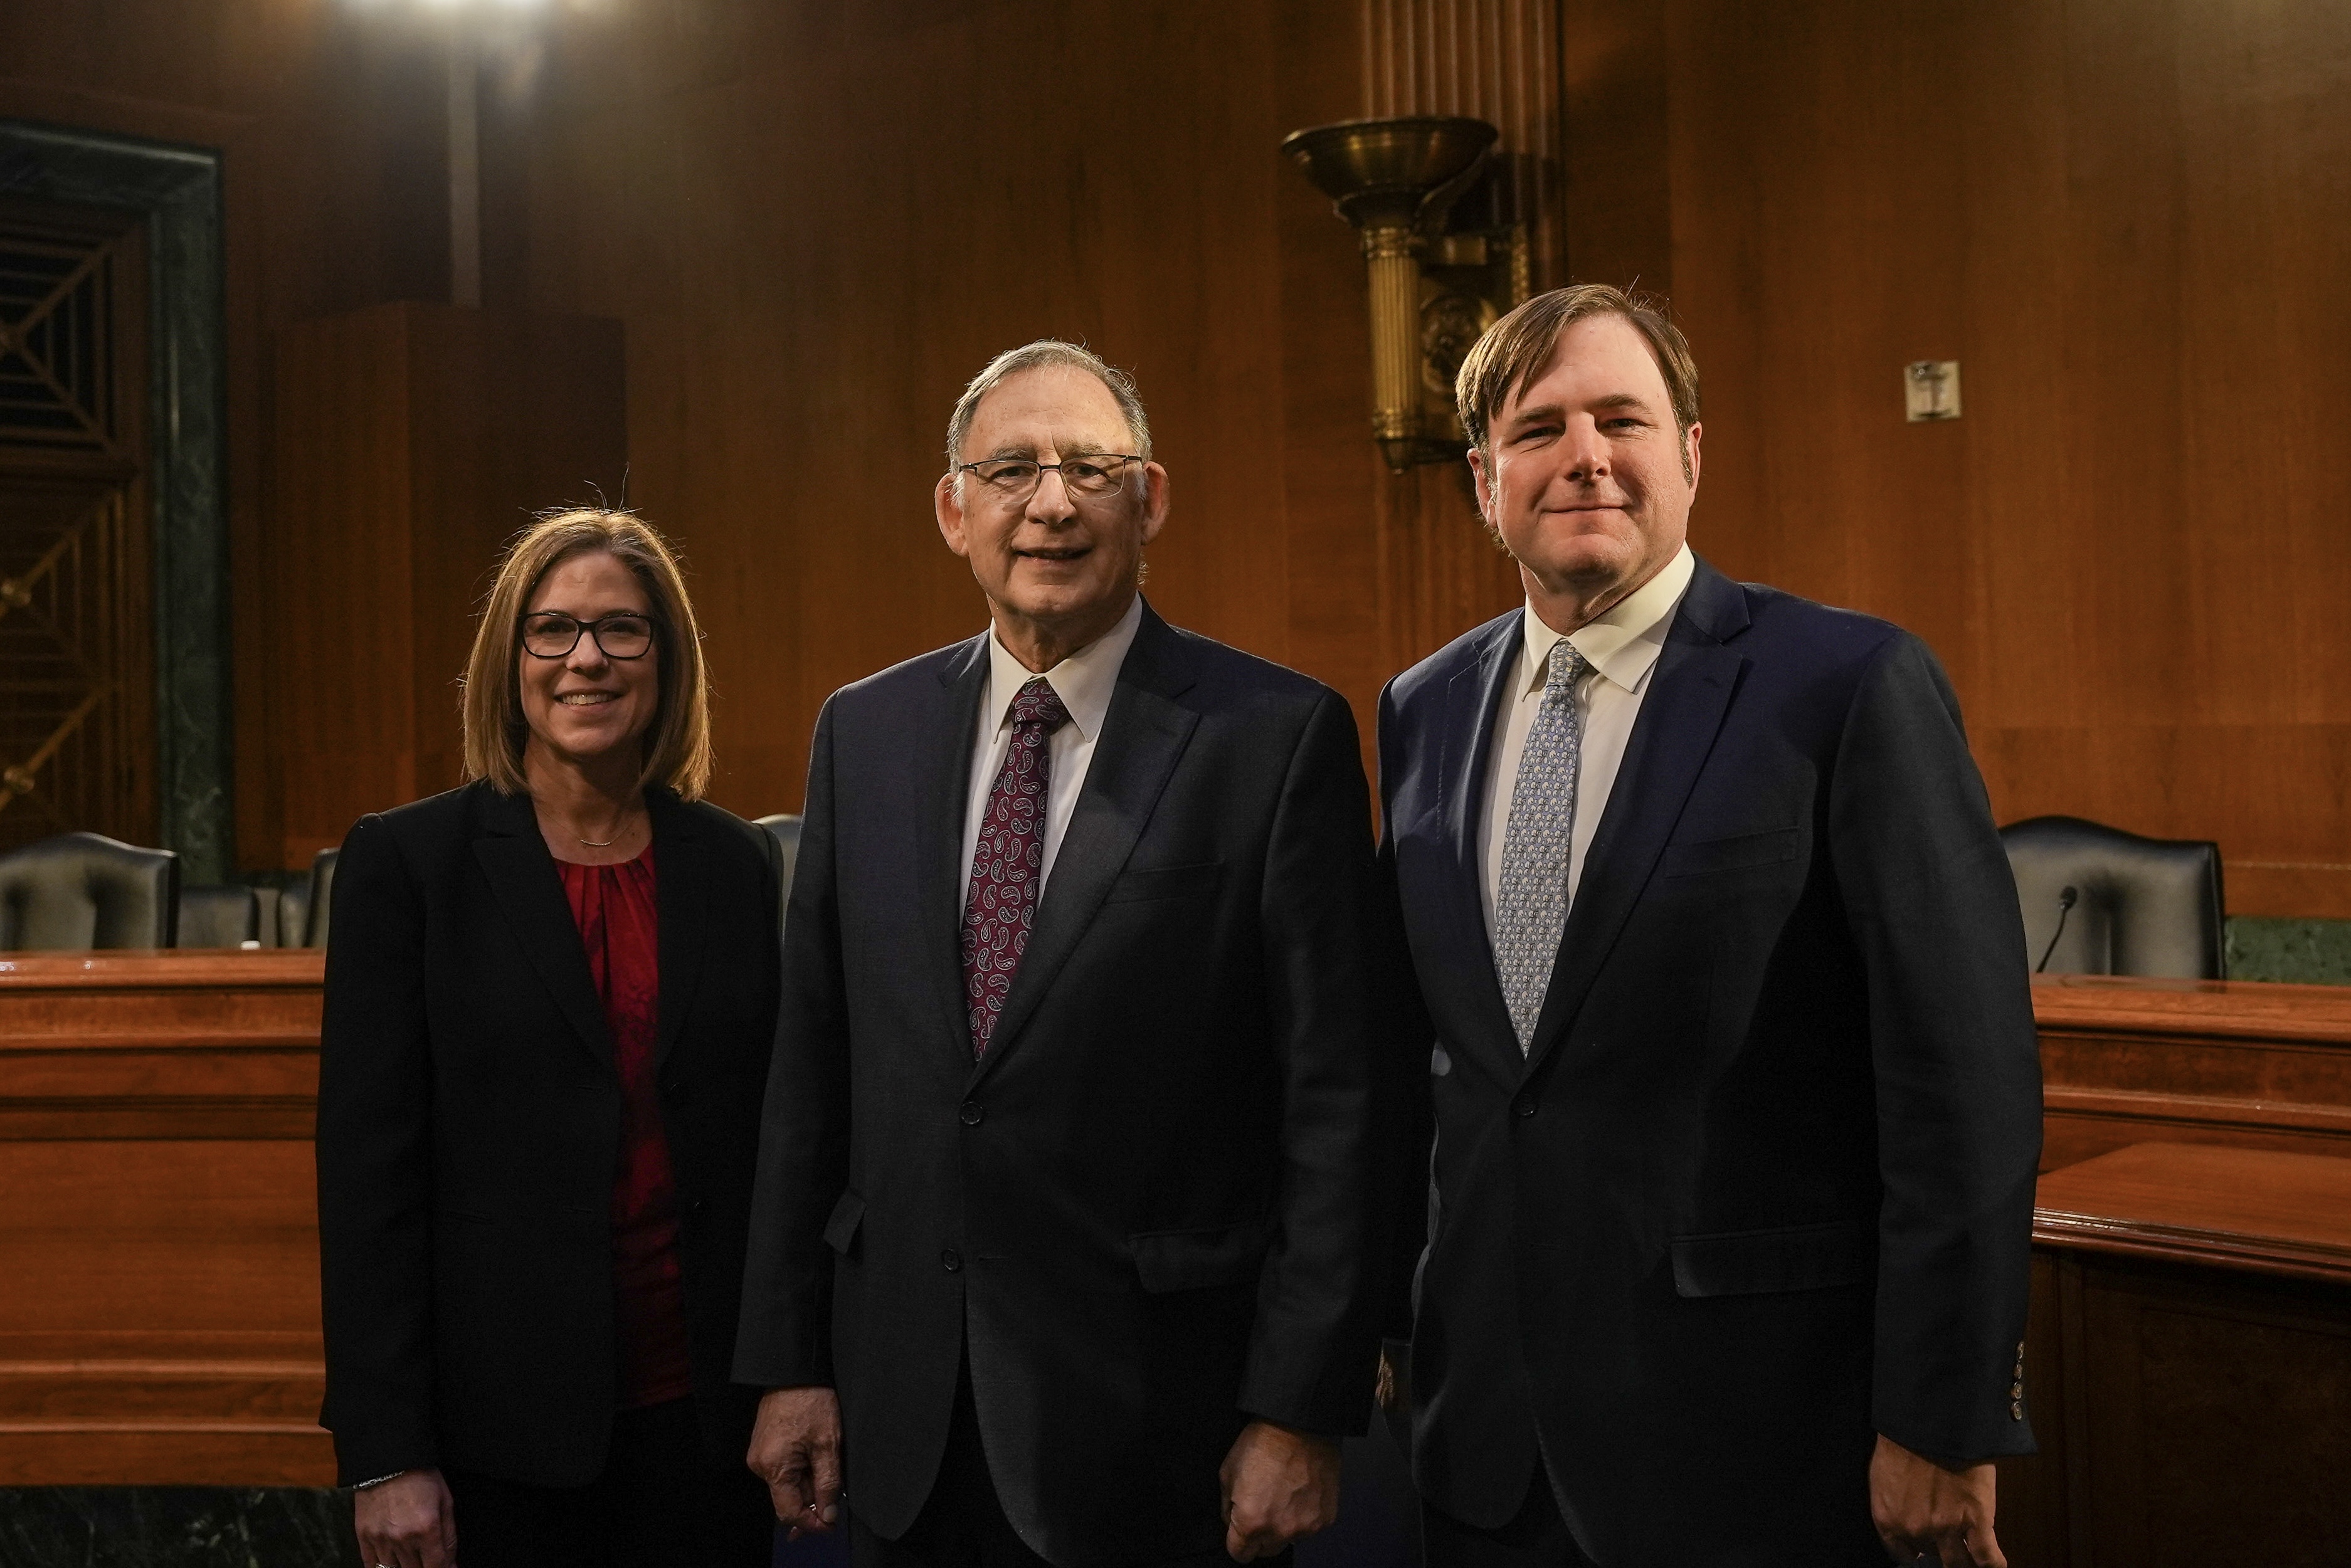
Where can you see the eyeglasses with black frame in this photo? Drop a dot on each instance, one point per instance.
(552, 634)
(1012, 480)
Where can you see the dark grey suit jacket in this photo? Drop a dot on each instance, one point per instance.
(1763, 1186)
(1143, 1217)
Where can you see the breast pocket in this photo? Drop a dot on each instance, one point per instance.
(1146, 884)
(1740, 851)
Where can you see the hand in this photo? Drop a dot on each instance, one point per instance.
(408, 1522)
(1388, 1387)
(1280, 1486)
(1922, 1510)
(795, 1449)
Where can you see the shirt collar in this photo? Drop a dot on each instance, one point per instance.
(1623, 642)
(1084, 681)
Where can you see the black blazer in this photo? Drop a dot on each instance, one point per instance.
(469, 1130)
(1763, 1186)
(1145, 1212)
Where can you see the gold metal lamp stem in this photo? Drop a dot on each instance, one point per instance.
(1396, 180)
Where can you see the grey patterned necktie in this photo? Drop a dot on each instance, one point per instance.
(1531, 907)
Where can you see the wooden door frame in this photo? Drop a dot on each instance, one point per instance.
(177, 190)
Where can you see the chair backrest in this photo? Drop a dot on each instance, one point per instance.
(294, 914)
(785, 827)
(2139, 906)
(82, 890)
(303, 908)
(218, 916)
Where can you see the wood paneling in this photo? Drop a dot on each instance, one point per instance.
(411, 442)
(161, 1326)
(2240, 1063)
(2126, 222)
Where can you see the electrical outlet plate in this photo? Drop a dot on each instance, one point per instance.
(1930, 390)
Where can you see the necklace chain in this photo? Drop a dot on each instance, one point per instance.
(608, 843)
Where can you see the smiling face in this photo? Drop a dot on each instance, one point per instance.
(1058, 571)
(586, 708)
(1583, 472)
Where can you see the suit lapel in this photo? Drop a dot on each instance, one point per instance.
(682, 878)
(523, 879)
(940, 763)
(1143, 735)
(1473, 706)
(1689, 692)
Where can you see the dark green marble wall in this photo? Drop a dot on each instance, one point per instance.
(2307, 952)
(175, 1527)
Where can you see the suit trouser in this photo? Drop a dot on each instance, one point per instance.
(661, 1500)
(1537, 1538)
(963, 1523)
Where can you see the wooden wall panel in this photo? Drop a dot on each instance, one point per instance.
(1617, 223)
(2130, 550)
(412, 441)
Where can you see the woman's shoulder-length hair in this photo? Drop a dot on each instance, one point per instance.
(677, 746)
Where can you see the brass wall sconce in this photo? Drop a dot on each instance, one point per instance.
(1443, 269)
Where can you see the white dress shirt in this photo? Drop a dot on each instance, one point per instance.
(1084, 682)
(1621, 646)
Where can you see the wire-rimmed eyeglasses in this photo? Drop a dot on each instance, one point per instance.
(1012, 480)
(552, 634)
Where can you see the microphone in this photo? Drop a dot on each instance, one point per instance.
(2065, 900)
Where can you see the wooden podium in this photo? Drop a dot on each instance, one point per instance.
(160, 1324)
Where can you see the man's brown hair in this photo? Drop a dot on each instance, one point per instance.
(1515, 350)
(677, 746)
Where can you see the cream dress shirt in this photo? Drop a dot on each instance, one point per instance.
(1621, 646)
(1084, 682)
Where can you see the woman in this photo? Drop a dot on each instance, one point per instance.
(549, 1003)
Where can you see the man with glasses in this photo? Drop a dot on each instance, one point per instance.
(1059, 1240)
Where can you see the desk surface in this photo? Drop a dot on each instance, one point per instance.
(2258, 1210)
(179, 968)
(2244, 1009)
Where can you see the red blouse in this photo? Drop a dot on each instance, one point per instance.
(618, 927)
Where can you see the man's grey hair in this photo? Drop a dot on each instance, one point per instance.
(1043, 352)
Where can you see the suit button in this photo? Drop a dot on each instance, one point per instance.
(970, 1113)
(1524, 1105)
(951, 1261)
(2016, 1411)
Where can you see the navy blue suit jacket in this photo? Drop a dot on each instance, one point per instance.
(1143, 1218)
(1762, 1185)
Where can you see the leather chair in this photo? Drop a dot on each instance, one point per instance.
(786, 827)
(2099, 901)
(303, 908)
(219, 916)
(82, 890)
